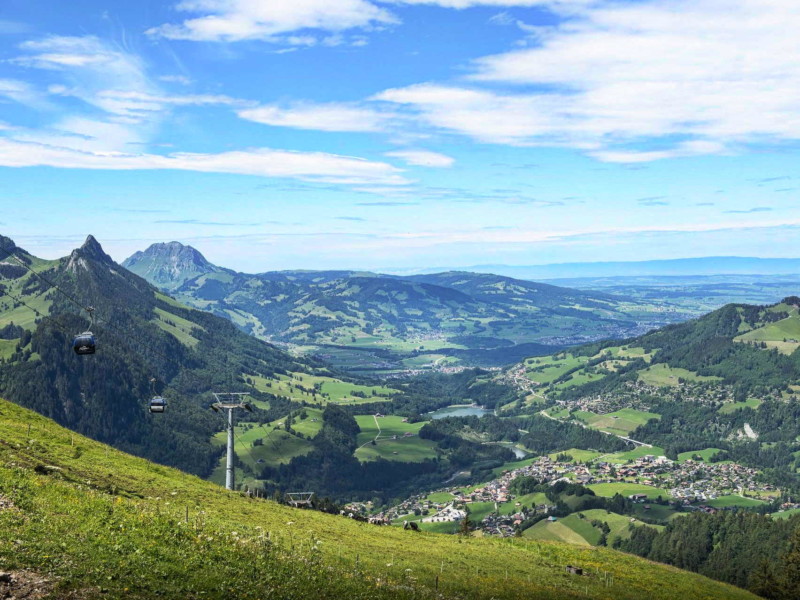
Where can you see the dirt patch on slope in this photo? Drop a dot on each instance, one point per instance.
(24, 585)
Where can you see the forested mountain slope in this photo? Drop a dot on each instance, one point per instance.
(141, 335)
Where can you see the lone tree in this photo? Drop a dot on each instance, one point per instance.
(465, 528)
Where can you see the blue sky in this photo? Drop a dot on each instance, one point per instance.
(402, 134)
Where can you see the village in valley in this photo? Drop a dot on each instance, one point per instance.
(690, 484)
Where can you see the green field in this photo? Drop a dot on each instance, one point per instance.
(279, 447)
(577, 454)
(662, 375)
(638, 452)
(546, 369)
(529, 500)
(784, 335)
(319, 389)
(731, 407)
(382, 430)
(658, 512)
(8, 347)
(177, 326)
(705, 455)
(733, 500)
(556, 531)
(620, 422)
(102, 524)
(403, 450)
(626, 489)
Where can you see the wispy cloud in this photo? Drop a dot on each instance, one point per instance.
(747, 211)
(387, 204)
(208, 223)
(422, 158)
(653, 201)
(632, 82)
(350, 219)
(236, 20)
(337, 117)
(262, 162)
(123, 110)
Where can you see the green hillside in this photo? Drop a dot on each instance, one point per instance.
(371, 322)
(728, 381)
(94, 522)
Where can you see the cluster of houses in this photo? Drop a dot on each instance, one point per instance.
(692, 482)
(687, 483)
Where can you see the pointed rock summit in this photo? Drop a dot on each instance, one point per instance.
(169, 265)
(90, 251)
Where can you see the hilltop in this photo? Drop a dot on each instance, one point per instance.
(95, 522)
(372, 322)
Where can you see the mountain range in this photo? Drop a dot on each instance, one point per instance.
(386, 322)
(706, 265)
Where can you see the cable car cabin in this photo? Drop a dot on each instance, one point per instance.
(158, 405)
(84, 343)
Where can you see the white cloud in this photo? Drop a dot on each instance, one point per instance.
(235, 20)
(720, 72)
(633, 82)
(423, 158)
(181, 79)
(18, 91)
(320, 117)
(461, 4)
(483, 115)
(263, 162)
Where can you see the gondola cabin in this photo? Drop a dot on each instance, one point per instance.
(84, 343)
(158, 405)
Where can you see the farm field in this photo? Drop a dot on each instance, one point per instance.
(783, 335)
(659, 512)
(405, 447)
(577, 454)
(734, 500)
(662, 375)
(403, 450)
(731, 407)
(546, 369)
(705, 455)
(620, 422)
(626, 489)
(386, 426)
(555, 531)
(529, 500)
(319, 389)
(7, 347)
(639, 451)
(785, 514)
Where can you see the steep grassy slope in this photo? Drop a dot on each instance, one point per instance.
(113, 526)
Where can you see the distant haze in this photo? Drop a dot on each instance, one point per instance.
(710, 265)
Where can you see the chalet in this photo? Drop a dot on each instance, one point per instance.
(638, 497)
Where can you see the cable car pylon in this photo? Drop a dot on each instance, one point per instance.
(230, 401)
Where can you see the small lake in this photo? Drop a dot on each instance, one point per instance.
(518, 453)
(459, 411)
